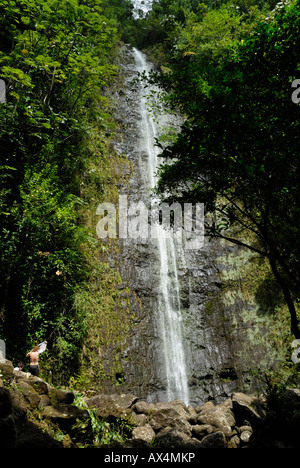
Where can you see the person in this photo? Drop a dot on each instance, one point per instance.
(8, 432)
(33, 355)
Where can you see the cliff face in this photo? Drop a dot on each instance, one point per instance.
(225, 332)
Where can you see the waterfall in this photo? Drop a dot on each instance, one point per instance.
(141, 7)
(169, 314)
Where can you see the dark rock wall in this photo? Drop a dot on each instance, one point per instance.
(224, 337)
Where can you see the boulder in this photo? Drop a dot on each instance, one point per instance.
(32, 437)
(179, 406)
(192, 415)
(234, 442)
(245, 436)
(215, 440)
(247, 408)
(58, 396)
(169, 415)
(245, 428)
(144, 433)
(6, 371)
(219, 416)
(65, 415)
(44, 401)
(24, 396)
(39, 385)
(201, 430)
(172, 438)
(139, 419)
(112, 406)
(143, 407)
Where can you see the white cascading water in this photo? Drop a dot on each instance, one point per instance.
(169, 311)
(141, 7)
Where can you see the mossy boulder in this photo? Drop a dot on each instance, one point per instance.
(24, 396)
(6, 371)
(64, 415)
(58, 396)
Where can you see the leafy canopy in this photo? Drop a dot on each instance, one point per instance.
(238, 151)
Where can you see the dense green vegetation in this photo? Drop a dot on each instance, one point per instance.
(229, 67)
(57, 60)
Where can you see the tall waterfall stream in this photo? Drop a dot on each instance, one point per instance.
(190, 336)
(169, 310)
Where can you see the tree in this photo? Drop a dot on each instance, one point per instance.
(238, 151)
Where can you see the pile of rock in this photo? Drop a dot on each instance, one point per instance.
(239, 422)
(32, 396)
(175, 425)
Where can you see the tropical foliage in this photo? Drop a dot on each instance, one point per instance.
(229, 68)
(57, 61)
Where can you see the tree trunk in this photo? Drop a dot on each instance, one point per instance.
(288, 298)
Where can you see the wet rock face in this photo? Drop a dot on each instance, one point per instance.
(136, 261)
(216, 321)
(213, 343)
